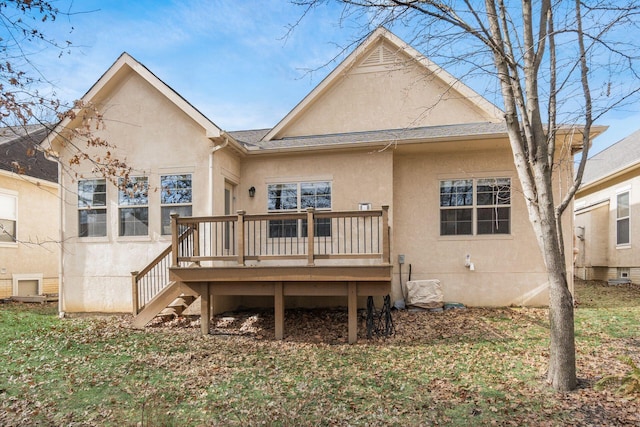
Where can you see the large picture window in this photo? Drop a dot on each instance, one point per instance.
(176, 197)
(297, 197)
(133, 202)
(480, 206)
(622, 219)
(8, 217)
(92, 208)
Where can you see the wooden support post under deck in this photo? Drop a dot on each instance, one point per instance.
(310, 236)
(352, 304)
(134, 292)
(212, 309)
(205, 311)
(278, 307)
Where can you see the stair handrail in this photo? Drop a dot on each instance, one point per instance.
(138, 276)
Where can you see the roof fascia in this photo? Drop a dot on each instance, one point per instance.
(576, 146)
(235, 144)
(379, 143)
(597, 130)
(36, 181)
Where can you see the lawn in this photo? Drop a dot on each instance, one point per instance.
(459, 367)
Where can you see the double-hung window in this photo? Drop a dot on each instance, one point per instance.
(475, 206)
(176, 197)
(622, 219)
(297, 197)
(133, 201)
(8, 217)
(92, 208)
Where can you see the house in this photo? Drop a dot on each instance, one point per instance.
(29, 215)
(404, 172)
(606, 210)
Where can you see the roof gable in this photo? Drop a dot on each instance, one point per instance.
(120, 69)
(384, 84)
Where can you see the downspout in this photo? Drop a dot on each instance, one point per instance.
(211, 173)
(61, 210)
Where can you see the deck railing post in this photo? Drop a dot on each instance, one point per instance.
(240, 234)
(196, 240)
(134, 292)
(310, 236)
(386, 249)
(174, 239)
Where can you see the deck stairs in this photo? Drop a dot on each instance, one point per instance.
(178, 306)
(172, 300)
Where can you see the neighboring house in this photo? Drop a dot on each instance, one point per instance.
(29, 215)
(607, 214)
(387, 127)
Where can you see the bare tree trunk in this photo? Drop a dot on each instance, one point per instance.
(562, 361)
(562, 353)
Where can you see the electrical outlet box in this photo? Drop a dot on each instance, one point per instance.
(400, 259)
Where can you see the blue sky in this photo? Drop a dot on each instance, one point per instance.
(233, 60)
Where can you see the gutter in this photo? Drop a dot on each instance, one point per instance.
(211, 180)
(61, 198)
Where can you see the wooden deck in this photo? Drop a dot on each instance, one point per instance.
(209, 257)
(280, 282)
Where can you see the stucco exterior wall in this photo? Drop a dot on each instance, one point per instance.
(355, 176)
(592, 236)
(509, 269)
(38, 222)
(596, 211)
(155, 138)
(385, 96)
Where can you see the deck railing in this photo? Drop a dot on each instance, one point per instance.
(309, 236)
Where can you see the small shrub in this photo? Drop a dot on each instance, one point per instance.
(629, 383)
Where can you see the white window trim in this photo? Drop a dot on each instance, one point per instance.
(298, 182)
(620, 191)
(137, 237)
(16, 278)
(474, 209)
(166, 205)
(91, 239)
(299, 195)
(14, 195)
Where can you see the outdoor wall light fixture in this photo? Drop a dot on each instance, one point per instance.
(252, 191)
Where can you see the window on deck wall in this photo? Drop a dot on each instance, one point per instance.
(297, 197)
(176, 197)
(622, 219)
(92, 208)
(480, 206)
(133, 201)
(8, 217)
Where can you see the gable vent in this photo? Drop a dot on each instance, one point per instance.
(380, 55)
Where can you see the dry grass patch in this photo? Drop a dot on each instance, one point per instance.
(459, 367)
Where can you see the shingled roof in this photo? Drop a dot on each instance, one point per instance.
(18, 152)
(253, 139)
(615, 158)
